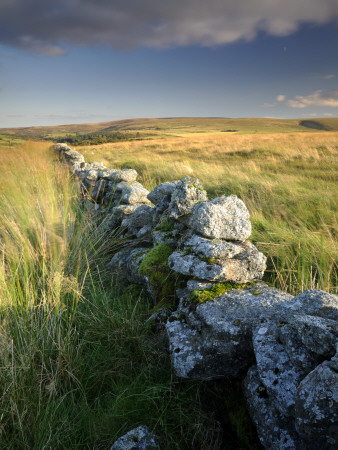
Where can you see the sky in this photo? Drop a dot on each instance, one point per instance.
(79, 61)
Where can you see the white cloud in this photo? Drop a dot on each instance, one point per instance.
(315, 99)
(42, 26)
(327, 77)
(280, 98)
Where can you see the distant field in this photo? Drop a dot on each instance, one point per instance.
(180, 127)
(284, 170)
(287, 180)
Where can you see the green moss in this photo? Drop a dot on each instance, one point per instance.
(216, 291)
(187, 251)
(256, 292)
(138, 254)
(165, 225)
(155, 266)
(209, 260)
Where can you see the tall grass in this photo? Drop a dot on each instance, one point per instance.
(288, 181)
(79, 364)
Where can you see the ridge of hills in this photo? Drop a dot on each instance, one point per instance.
(179, 127)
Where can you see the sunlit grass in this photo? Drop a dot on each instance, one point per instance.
(287, 180)
(79, 364)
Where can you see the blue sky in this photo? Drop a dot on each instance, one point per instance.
(150, 58)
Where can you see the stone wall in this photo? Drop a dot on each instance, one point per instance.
(228, 323)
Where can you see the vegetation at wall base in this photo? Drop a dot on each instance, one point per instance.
(80, 366)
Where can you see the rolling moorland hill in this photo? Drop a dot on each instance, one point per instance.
(176, 127)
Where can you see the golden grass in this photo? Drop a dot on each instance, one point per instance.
(287, 180)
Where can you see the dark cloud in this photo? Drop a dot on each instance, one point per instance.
(42, 26)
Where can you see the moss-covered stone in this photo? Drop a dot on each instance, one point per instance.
(161, 278)
(216, 291)
(166, 225)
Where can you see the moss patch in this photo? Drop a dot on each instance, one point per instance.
(165, 225)
(216, 291)
(162, 279)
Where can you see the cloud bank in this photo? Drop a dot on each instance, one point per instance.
(44, 26)
(318, 98)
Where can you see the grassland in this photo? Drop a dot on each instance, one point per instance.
(287, 180)
(79, 363)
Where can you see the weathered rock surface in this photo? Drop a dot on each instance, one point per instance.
(275, 431)
(212, 248)
(317, 408)
(126, 263)
(215, 339)
(247, 265)
(161, 191)
(222, 218)
(139, 438)
(186, 194)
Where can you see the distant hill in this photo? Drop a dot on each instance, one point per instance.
(179, 126)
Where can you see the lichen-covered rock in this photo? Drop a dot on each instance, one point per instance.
(186, 194)
(139, 438)
(67, 155)
(135, 193)
(214, 339)
(248, 265)
(279, 376)
(222, 218)
(161, 191)
(212, 248)
(316, 303)
(141, 216)
(318, 335)
(118, 213)
(275, 431)
(317, 408)
(126, 175)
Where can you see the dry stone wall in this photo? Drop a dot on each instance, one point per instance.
(227, 323)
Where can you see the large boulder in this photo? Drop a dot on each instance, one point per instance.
(222, 218)
(214, 339)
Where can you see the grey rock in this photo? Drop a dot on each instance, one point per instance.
(316, 302)
(139, 438)
(141, 216)
(164, 237)
(161, 191)
(91, 177)
(186, 194)
(126, 175)
(275, 431)
(215, 248)
(276, 371)
(99, 190)
(317, 334)
(317, 408)
(126, 263)
(214, 340)
(135, 193)
(249, 265)
(118, 213)
(299, 355)
(222, 218)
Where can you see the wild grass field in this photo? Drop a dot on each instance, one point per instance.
(287, 180)
(79, 364)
